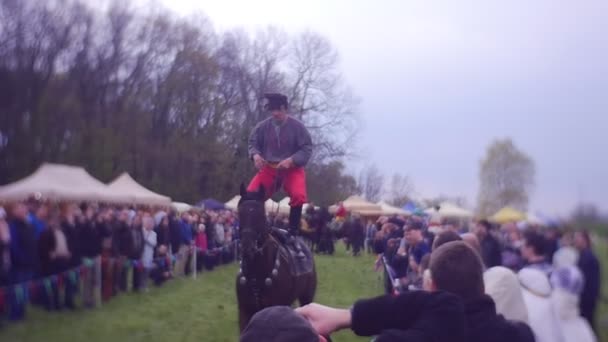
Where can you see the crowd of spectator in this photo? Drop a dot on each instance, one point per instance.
(545, 277)
(101, 251)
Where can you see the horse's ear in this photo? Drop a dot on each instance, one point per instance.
(243, 190)
(261, 192)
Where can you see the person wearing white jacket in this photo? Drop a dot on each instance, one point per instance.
(147, 257)
(567, 287)
(536, 290)
(503, 286)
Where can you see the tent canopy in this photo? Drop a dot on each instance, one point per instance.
(357, 204)
(388, 209)
(448, 210)
(271, 206)
(211, 204)
(533, 219)
(181, 206)
(62, 183)
(508, 214)
(127, 185)
(233, 203)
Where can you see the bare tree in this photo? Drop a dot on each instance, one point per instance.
(371, 183)
(399, 190)
(506, 177)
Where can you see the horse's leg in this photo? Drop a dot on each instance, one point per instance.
(243, 319)
(308, 288)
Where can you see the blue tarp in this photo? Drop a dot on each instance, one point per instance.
(211, 204)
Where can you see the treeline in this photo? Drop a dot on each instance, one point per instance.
(165, 98)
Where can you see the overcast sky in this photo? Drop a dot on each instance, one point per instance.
(439, 80)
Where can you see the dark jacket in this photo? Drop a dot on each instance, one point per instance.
(176, 234)
(278, 142)
(47, 244)
(137, 243)
(491, 253)
(90, 239)
(72, 239)
(590, 268)
(411, 316)
(23, 246)
(163, 235)
(186, 232)
(121, 239)
(485, 325)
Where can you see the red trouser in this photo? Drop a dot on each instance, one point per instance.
(294, 183)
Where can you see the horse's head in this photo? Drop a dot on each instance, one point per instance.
(252, 220)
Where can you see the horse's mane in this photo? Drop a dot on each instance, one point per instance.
(252, 196)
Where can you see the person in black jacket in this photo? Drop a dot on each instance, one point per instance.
(455, 277)
(411, 316)
(136, 250)
(55, 258)
(590, 267)
(104, 224)
(357, 234)
(491, 251)
(175, 233)
(163, 233)
(69, 229)
(89, 237)
(23, 255)
(121, 243)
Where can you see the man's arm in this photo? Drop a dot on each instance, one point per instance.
(415, 313)
(304, 143)
(255, 141)
(418, 311)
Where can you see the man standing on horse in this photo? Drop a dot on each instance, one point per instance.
(280, 147)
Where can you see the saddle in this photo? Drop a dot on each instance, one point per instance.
(288, 251)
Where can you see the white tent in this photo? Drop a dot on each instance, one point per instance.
(388, 209)
(284, 205)
(533, 219)
(271, 206)
(357, 204)
(62, 183)
(127, 185)
(181, 206)
(233, 203)
(449, 210)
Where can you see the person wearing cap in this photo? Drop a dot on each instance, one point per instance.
(452, 308)
(590, 267)
(280, 146)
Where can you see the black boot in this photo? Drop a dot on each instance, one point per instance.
(295, 216)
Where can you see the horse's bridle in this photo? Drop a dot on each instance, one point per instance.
(258, 235)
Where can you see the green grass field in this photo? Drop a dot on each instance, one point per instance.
(205, 309)
(189, 310)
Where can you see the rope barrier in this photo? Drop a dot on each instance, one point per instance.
(23, 291)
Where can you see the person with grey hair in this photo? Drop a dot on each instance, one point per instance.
(149, 236)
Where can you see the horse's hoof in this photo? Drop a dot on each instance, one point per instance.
(242, 280)
(268, 282)
(275, 272)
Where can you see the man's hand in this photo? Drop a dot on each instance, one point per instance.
(258, 161)
(286, 164)
(324, 319)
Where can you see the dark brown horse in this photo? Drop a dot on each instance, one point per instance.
(270, 273)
